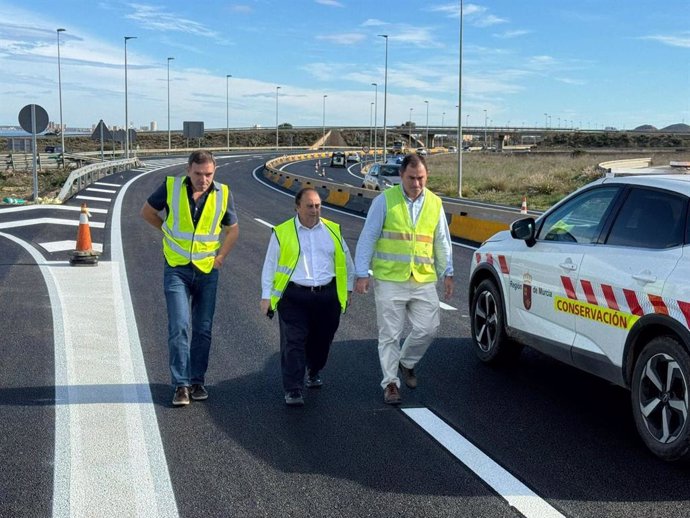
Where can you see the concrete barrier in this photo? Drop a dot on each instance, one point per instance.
(466, 221)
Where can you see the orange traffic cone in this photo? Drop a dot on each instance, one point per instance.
(84, 254)
(523, 208)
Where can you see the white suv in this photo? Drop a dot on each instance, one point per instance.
(601, 281)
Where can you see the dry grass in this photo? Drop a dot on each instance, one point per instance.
(504, 178)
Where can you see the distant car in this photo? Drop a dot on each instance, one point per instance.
(421, 151)
(395, 159)
(382, 176)
(452, 149)
(353, 157)
(338, 159)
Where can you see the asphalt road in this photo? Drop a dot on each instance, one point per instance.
(556, 441)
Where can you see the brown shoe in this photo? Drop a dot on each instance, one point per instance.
(391, 395)
(408, 376)
(181, 396)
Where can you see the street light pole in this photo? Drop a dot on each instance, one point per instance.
(62, 128)
(277, 88)
(385, 98)
(460, 142)
(227, 110)
(371, 118)
(427, 125)
(443, 117)
(376, 100)
(169, 60)
(485, 127)
(409, 130)
(126, 109)
(323, 137)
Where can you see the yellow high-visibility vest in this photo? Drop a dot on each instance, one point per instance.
(182, 243)
(286, 233)
(404, 249)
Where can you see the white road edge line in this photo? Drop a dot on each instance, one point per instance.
(518, 495)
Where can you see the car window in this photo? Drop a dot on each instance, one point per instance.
(580, 219)
(649, 218)
(388, 170)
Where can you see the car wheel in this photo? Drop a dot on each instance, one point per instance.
(660, 397)
(487, 319)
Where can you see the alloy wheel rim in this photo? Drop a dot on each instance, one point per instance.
(663, 398)
(485, 320)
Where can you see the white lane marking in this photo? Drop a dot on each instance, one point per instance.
(62, 246)
(447, 307)
(73, 208)
(264, 222)
(48, 221)
(93, 198)
(518, 495)
(109, 457)
(105, 184)
(96, 189)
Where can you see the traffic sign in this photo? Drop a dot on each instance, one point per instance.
(33, 118)
(101, 132)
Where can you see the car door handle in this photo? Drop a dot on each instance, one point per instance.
(645, 276)
(568, 265)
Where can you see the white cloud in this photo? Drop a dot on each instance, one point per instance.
(672, 41)
(373, 22)
(511, 34)
(333, 3)
(343, 39)
(156, 19)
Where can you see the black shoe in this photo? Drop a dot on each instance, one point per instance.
(409, 376)
(181, 396)
(199, 392)
(294, 398)
(313, 380)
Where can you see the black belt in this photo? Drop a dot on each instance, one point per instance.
(312, 288)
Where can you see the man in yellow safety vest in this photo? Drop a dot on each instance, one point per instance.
(406, 242)
(197, 210)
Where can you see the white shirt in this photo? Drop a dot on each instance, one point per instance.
(315, 265)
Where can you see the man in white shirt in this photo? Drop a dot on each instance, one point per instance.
(308, 276)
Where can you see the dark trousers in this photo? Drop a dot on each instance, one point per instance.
(308, 321)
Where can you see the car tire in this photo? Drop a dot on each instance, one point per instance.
(660, 398)
(487, 321)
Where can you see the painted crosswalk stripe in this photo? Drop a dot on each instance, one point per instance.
(96, 189)
(48, 221)
(518, 495)
(92, 198)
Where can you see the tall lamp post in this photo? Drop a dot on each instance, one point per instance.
(460, 143)
(376, 100)
(443, 117)
(385, 98)
(62, 128)
(126, 109)
(277, 88)
(371, 118)
(409, 130)
(323, 136)
(227, 110)
(169, 60)
(486, 121)
(427, 125)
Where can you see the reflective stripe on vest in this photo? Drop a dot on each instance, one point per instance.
(404, 249)
(182, 243)
(286, 234)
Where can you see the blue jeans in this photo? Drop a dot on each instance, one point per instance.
(191, 299)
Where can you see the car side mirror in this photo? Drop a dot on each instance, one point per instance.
(524, 229)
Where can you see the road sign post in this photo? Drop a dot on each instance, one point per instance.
(33, 119)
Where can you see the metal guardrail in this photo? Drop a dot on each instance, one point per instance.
(84, 176)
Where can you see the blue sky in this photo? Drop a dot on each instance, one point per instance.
(584, 63)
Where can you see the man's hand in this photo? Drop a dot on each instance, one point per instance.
(448, 287)
(265, 305)
(362, 285)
